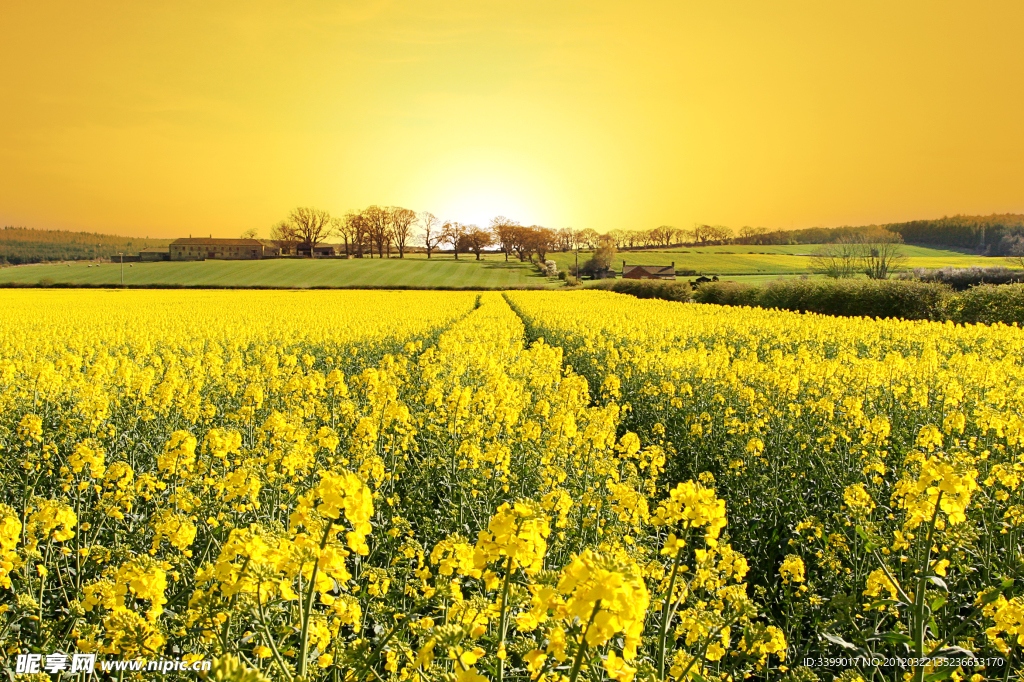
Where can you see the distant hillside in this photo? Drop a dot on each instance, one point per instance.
(24, 245)
(992, 235)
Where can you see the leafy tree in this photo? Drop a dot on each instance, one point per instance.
(605, 253)
(541, 240)
(478, 239)
(453, 234)
(506, 231)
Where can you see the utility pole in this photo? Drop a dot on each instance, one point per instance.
(122, 268)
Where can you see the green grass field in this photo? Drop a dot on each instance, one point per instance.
(769, 262)
(751, 264)
(414, 271)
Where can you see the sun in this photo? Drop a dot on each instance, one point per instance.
(476, 186)
(479, 207)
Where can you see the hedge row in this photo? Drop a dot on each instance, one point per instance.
(962, 279)
(47, 283)
(647, 288)
(859, 297)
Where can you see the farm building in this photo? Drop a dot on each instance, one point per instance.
(648, 271)
(219, 249)
(155, 253)
(318, 251)
(271, 249)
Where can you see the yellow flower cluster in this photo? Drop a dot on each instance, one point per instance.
(610, 598)
(880, 451)
(426, 487)
(516, 532)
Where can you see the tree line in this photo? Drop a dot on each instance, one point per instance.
(993, 235)
(22, 245)
(382, 230)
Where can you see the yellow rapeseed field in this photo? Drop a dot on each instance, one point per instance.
(433, 486)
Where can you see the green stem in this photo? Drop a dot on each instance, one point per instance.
(270, 639)
(663, 631)
(583, 644)
(707, 642)
(503, 622)
(918, 613)
(307, 612)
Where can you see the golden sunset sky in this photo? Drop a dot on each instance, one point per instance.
(210, 117)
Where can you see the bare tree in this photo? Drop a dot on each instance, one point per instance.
(563, 240)
(378, 221)
(881, 254)
(701, 233)
(1016, 256)
(454, 234)
(310, 226)
(663, 234)
(402, 220)
(360, 227)
(281, 233)
(721, 233)
(250, 233)
(433, 235)
(838, 260)
(343, 229)
(587, 238)
(747, 232)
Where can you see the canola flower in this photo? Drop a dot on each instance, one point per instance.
(883, 455)
(538, 486)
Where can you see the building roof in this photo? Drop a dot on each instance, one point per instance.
(203, 241)
(156, 249)
(651, 269)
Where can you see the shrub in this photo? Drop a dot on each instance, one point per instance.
(962, 279)
(726, 293)
(867, 298)
(989, 304)
(648, 288)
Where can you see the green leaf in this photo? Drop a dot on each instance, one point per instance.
(941, 675)
(892, 638)
(937, 603)
(938, 581)
(990, 596)
(836, 639)
(955, 652)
